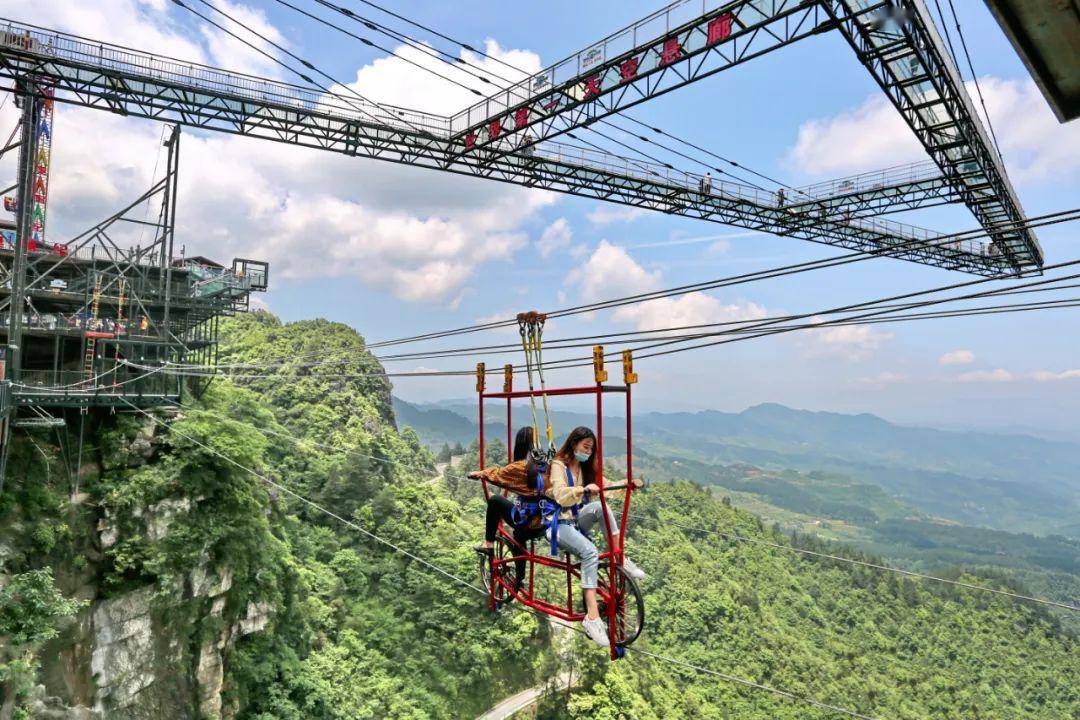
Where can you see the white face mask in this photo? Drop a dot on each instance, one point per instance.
(582, 457)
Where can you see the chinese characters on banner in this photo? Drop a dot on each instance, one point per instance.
(586, 87)
(40, 192)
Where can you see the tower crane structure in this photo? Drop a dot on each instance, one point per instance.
(513, 135)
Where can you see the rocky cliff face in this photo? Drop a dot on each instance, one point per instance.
(146, 644)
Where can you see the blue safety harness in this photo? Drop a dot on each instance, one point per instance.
(525, 509)
(553, 519)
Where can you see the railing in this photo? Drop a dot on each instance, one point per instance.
(115, 59)
(5, 397)
(119, 380)
(914, 67)
(134, 328)
(213, 281)
(874, 180)
(656, 25)
(644, 170)
(95, 252)
(896, 233)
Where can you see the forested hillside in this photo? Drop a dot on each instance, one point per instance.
(160, 579)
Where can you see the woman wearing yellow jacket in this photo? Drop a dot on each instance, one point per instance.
(572, 476)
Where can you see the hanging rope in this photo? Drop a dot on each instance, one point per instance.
(539, 346)
(524, 329)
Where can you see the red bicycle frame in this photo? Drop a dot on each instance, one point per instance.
(526, 593)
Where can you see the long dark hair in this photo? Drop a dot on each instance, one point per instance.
(566, 452)
(523, 443)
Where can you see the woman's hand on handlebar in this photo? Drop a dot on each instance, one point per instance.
(592, 489)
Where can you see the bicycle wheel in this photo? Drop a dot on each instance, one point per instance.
(629, 607)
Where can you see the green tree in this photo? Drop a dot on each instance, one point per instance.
(31, 612)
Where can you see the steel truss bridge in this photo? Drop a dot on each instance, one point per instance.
(511, 136)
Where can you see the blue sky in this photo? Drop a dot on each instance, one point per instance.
(395, 251)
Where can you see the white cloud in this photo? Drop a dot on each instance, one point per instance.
(882, 379)
(611, 272)
(1048, 376)
(957, 357)
(226, 51)
(997, 375)
(1003, 375)
(134, 23)
(415, 233)
(719, 243)
(257, 302)
(556, 236)
(608, 214)
(694, 308)
(720, 247)
(1036, 147)
(868, 137)
(847, 342)
(394, 81)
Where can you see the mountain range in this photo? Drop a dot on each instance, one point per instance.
(1013, 482)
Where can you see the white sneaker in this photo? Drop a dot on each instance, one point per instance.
(596, 630)
(632, 570)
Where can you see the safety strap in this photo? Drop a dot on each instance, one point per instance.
(553, 520)
(525, 510)
(525, 330)
(539, 346)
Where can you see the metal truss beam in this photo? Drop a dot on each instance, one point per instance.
(895, 189)
(880, 201)
(673, 47)
(147, 86)
(897, 42)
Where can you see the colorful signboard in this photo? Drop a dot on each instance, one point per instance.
(40, 190)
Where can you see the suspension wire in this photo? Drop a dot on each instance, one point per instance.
(794, 269)
(971, 67)
(375, 45)
(885, 304)
(708, 152)
(637, 516)
(743, 333)
(194, 371)
(654, 334)
(413, 43)
(466, 584)
(875, 566)
(292, 437)
(845, 259)
(539, 347)
(443, 56)
(632, 336)
(310, 503)
(751, 684)
(305, 63)
(457, 62)
(78, 463)
(1057, 217)
(85, 385)
(874, 313)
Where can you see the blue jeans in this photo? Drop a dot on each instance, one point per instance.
(574, 539)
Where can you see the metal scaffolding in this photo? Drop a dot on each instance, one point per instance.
(95, 321)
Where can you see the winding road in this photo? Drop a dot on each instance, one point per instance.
(522, 700)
